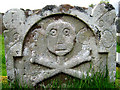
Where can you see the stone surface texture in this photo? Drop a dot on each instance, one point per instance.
(72, 40)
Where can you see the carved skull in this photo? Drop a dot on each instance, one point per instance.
(60, 37)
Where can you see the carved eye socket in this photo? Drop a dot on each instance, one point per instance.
(53, 32)
(66, 31)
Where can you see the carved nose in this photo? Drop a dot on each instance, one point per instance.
(60, 39)
(60, 42)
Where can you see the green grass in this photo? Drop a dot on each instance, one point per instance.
(3, 71)
(15, 85)
(118, 72)
(104, 1)
(97, 81)
(117, 84)
(118, 48)
(0, 55)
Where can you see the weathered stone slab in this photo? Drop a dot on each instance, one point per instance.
(42, 43)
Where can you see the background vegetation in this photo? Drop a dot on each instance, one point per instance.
(2, 57)
(118, 48)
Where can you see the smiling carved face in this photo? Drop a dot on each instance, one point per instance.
(60, 37)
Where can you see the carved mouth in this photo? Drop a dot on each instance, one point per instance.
(60, 49)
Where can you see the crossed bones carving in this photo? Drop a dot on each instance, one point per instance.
(65, 67)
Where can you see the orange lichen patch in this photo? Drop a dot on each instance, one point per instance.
(3, 79)
(65, 7)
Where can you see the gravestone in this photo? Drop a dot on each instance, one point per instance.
(40, 44)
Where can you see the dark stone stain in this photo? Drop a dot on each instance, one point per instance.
(48, 7)
(22, 9)
(65, 7)
(81, 9)
(98, 33)
(38, 26)
(17, 52)
(57, 17)
(109, 7)
(26, 12)
(13, 13)
(61, 8)
(12, 20)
